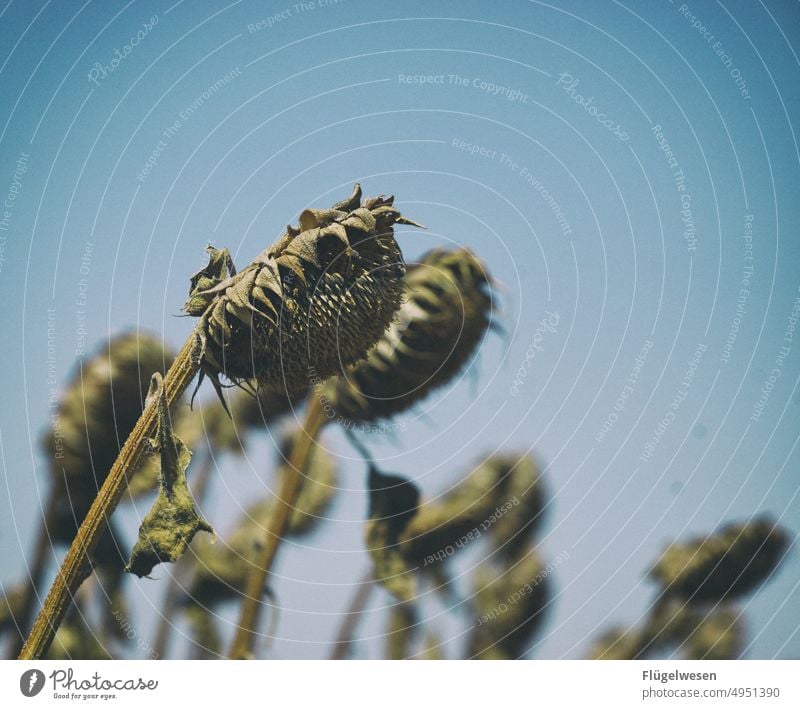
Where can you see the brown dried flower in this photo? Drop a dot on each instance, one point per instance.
(95, 416)
(502, 498)
(447, 310)
(314, 302)
(730, 563)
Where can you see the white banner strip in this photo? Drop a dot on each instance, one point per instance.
(401, 685)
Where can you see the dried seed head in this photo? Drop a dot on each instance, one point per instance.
(393, 502)
(314, 302)
(96, 414)
(520, 499)
(101, 406)
(727, 564)
(501, 498)
(222, 568)
(447, 310)
(510, 604)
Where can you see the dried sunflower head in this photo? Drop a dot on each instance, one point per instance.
(510, 605)
(730, 563)
(393, 502)
(501, 499)
(309, 305)
(521, 502)
(447, 310)
(101, 406)
(96, 414)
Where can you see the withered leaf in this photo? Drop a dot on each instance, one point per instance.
(172, 521)
(393, 502)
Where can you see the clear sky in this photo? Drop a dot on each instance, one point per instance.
(620, 166)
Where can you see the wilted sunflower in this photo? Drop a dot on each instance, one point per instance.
(309, 305)
(447, 310)
(730, 563)
(502, 499)
(96, 414)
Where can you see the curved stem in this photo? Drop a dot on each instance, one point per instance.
(352, 617)
(291, 483)
(71, 573)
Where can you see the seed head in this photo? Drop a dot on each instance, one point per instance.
(308, 306)
(96, 414)
(502, 499)
(730, 563)
(447, 310)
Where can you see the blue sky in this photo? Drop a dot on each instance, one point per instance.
(478, 117)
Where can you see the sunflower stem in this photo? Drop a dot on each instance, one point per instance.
(72, 571)
(291, 484)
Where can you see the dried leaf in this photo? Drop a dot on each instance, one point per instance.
(173, 521)
(393, 503)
